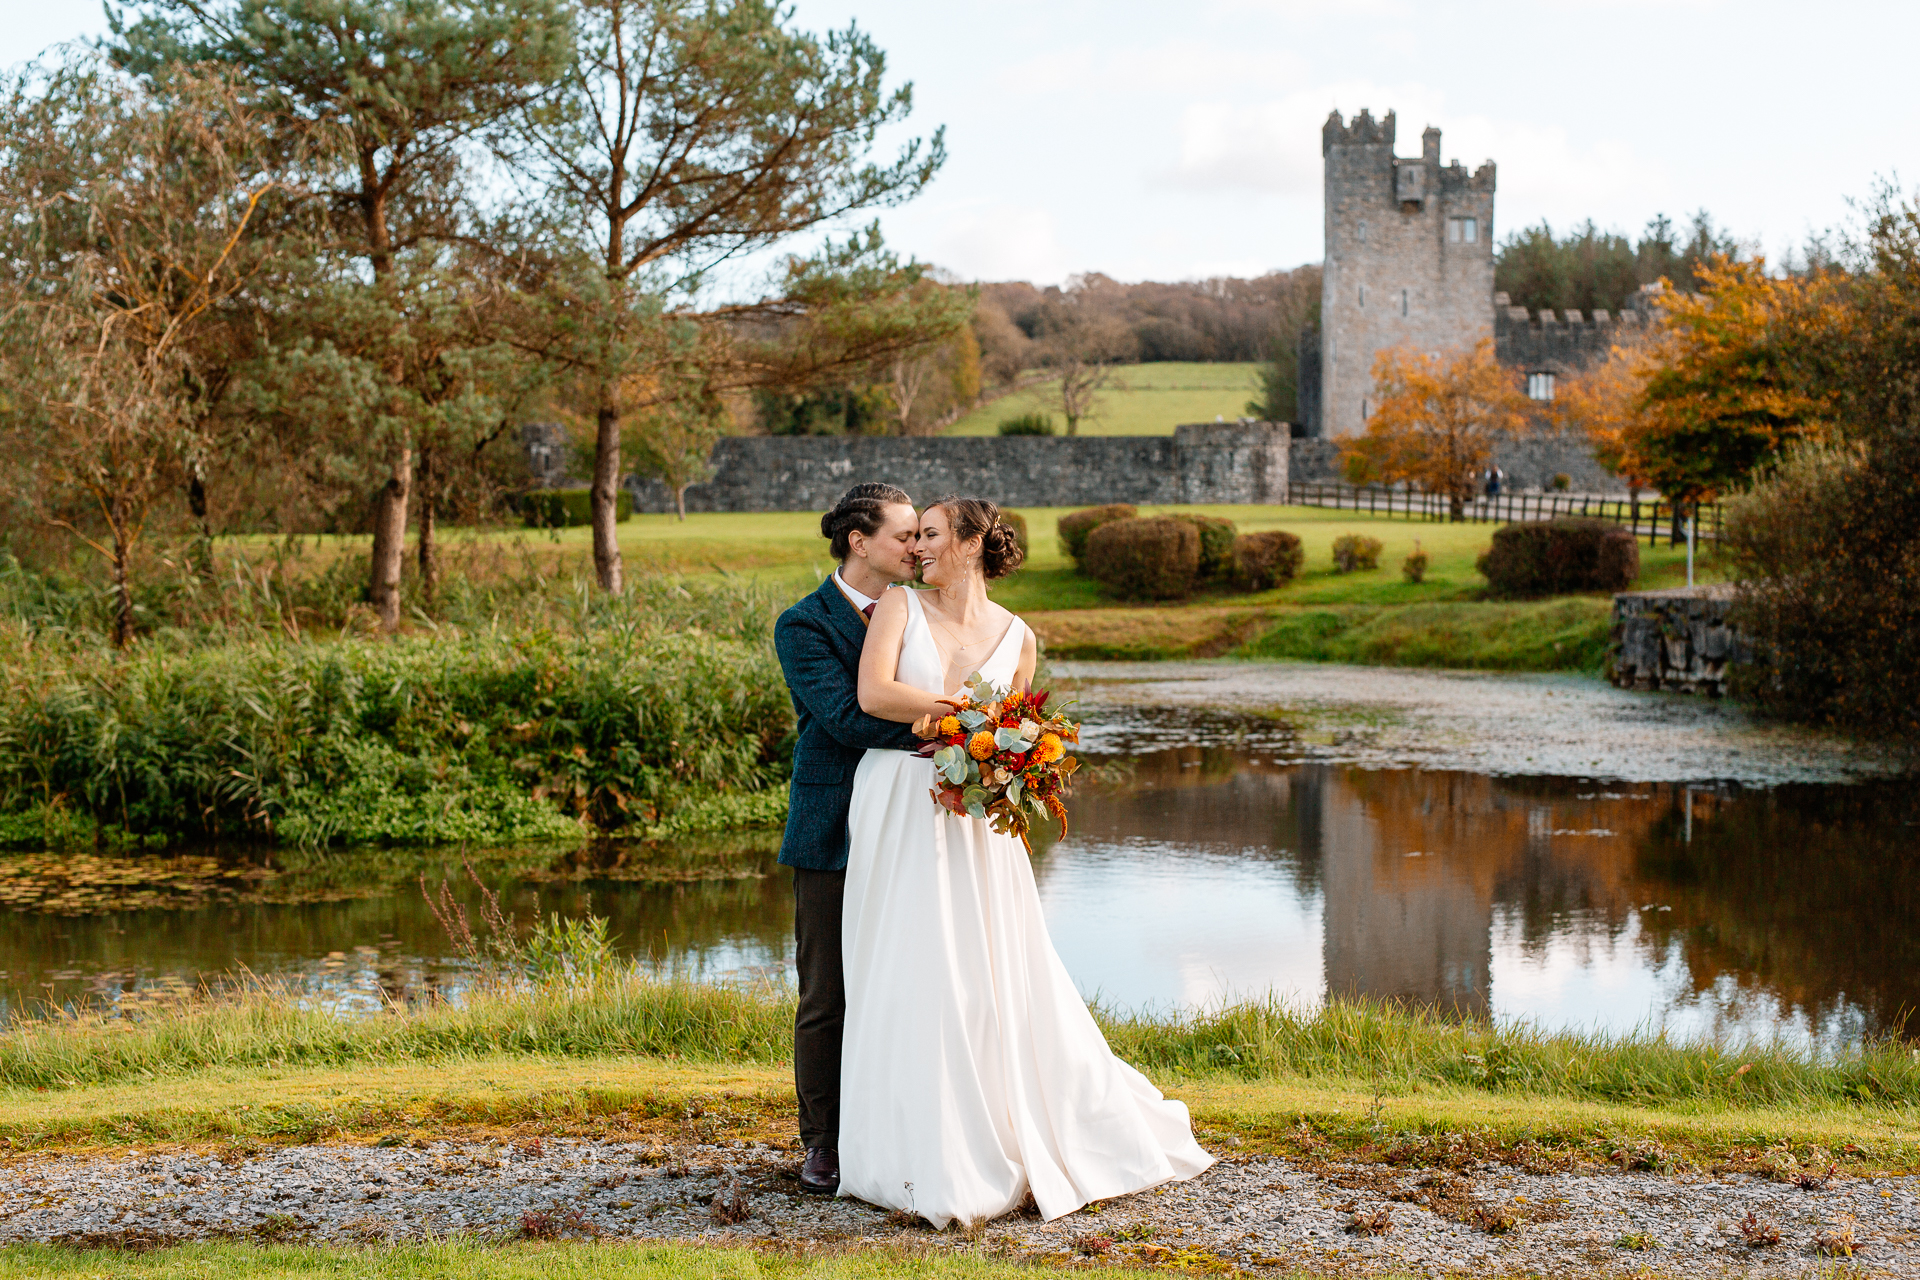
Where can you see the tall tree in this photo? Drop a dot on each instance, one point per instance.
(131, 220)
(691, 132)
(399, 88)
(1437, 419)
(1740, 376)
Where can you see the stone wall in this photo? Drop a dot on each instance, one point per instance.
(1200, 463)
(1680, 640)
(1563, 344)
(1531, 462)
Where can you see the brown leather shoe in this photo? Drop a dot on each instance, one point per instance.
(820, 1171)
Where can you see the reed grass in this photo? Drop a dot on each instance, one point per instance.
(626, 1013)
(660, 709)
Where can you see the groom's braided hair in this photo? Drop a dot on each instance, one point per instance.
(861, 509)
(1000, 552)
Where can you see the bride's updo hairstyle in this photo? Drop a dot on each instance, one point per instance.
(1000, 552)
(861, 509)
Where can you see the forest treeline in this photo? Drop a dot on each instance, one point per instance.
(299, 265)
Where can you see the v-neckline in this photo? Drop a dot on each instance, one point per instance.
(945, 666)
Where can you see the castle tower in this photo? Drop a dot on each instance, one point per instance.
(1409, 260)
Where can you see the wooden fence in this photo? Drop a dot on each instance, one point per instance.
(1646, 517)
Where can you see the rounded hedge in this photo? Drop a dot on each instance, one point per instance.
(1216, 545)
(1542, 557)
(1354, 551)
(1077, 526)
(1152, 559)
(1270, 559)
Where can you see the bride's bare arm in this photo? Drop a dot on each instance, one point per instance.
(1029, 659)
(880, 694)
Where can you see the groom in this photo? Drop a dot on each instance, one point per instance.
(872, 531)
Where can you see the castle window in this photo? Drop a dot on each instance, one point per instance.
(1363, 408)
(1539, 386)
(1463, 230)
(1403, 302)
(1363, 295)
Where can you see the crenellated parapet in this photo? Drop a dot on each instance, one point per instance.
(1365, 131)
(1561, 343)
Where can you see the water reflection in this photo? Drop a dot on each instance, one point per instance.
(1220, 872)
(1193, 873)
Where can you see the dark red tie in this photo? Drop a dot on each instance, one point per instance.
(868, 610)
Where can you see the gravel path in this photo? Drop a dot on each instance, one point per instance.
(1349, 1218)
(1576, 726)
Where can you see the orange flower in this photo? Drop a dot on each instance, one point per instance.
(1048, 749)
(948, 726)
(980, 746)
(1016, 700)
(1057, 808)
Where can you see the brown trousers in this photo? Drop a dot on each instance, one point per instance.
(817, 897)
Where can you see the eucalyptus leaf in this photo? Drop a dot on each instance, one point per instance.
(1011, 740)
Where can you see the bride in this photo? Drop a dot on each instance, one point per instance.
(971, 1072)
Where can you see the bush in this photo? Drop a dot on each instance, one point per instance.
(1264, 560)
(1216, 545)
(1827, 551)
(1562, 481)
(1153, 559)
(1018, 523)
(1077, 526)
(407, 740)
(1544, 557)
(1353, 551)
(1414, 567)
(568, 508)
(1027, 424)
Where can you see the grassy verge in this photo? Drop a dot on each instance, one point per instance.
(526, 1261)
(1568, 634)
(627, 1055)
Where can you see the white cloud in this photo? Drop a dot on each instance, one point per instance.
(1001, 242)
(1274, 147)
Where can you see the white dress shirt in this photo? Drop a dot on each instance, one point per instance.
(860, 602)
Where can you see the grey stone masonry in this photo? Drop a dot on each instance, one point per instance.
(1530, 462)
(1563, 343)
(1409, 261)
(1235, 462)
(1681, 639)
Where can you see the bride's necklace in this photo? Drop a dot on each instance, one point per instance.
(958, 647)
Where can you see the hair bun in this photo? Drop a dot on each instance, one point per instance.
(1000, 552)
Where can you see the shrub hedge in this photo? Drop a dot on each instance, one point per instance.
(568, 508)
(1027, 424)
(406, 740)
(1153, 559)
(1353, 551)
(1544, 557)
(1216, 545)
(1264, 560)
(1077, 526)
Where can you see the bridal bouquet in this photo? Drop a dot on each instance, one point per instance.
(1000, 756)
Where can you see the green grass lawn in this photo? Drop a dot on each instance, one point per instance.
(1372, 616)
(1144, 400)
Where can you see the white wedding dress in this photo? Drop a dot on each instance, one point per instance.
(971, 1072)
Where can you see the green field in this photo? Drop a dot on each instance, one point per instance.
(1144, 400)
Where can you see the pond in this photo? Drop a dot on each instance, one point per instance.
(1214, 854)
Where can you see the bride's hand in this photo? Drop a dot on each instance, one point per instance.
(924, 726)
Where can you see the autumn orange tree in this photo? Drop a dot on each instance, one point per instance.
(1605, 404)
(1436, 421)
(1736, 377)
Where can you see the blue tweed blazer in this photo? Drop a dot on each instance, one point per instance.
(819, 642)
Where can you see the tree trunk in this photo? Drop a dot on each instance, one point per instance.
(1679, 526)
(390, 539)
(122, 588)
(429, 549)
(680, 500)
(606, 496)
(197, 504)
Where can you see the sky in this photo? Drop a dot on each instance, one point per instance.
(1173, 141)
